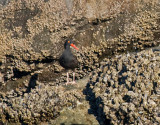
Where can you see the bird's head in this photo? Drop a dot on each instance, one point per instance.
(69, 43)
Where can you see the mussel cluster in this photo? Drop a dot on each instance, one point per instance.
(128, 86)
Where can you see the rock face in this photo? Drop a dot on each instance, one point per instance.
(126, 88)
(32, 38)
(33, 33)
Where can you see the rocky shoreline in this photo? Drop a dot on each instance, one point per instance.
(118, 83)
(124, 89)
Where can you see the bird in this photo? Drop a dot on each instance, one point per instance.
(69, 61)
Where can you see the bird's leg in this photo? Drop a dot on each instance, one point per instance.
(73, 82)
(67, 78)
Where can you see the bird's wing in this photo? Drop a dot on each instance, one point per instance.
(73, 63)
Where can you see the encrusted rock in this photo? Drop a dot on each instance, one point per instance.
(134, 95)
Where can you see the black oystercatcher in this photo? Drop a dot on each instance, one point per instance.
(68, 60)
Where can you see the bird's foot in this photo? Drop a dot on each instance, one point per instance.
(71, 83)
(74, 83)
(67, 83)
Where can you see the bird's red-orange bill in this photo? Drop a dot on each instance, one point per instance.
(74, 46)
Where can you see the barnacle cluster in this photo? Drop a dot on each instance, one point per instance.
(129, 87)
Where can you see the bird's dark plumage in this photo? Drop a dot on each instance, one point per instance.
(67, 59)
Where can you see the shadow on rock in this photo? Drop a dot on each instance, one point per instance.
(32, 83)
(96, 106)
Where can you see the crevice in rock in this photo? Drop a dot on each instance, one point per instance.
(45, 60)
(126, 98)
(154, 87)
(32, 83)
(96, 106)
(19, 74)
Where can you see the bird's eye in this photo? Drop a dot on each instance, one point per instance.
(68, 41)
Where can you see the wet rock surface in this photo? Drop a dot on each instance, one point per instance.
(126, 89)
(32, 82)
